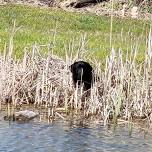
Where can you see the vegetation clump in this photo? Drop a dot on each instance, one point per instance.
(122, 88)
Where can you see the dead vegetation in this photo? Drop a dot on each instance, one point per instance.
(123, 89)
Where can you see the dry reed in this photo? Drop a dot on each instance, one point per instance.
(123, 89)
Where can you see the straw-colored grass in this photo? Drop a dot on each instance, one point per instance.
(123, 89)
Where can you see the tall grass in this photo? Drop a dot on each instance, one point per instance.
(122, 89)
(52, 25)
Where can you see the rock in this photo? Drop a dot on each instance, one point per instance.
(9, 118)
(79, 3)
(25, 115)
(134, 12)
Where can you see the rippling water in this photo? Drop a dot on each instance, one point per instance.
(64, 137)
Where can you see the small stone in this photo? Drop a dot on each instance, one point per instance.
(134, 12)
(25, 115)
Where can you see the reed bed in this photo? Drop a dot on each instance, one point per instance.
(122, 89)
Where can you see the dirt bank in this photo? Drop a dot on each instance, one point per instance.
(119, 9)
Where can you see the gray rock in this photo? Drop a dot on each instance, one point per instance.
(25, 115)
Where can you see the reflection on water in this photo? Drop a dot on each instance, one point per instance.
(66, 137)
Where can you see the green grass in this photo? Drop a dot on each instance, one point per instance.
(39, 25)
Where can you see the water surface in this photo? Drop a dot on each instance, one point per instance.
(61, 136)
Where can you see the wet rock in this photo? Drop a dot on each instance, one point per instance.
(9, 118)
(25, 115)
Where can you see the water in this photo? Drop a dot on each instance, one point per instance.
(66, 137)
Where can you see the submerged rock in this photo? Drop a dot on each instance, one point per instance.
(9, 118)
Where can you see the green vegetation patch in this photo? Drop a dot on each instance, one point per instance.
(60, 28)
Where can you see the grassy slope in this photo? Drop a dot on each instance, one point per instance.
(38, 25)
